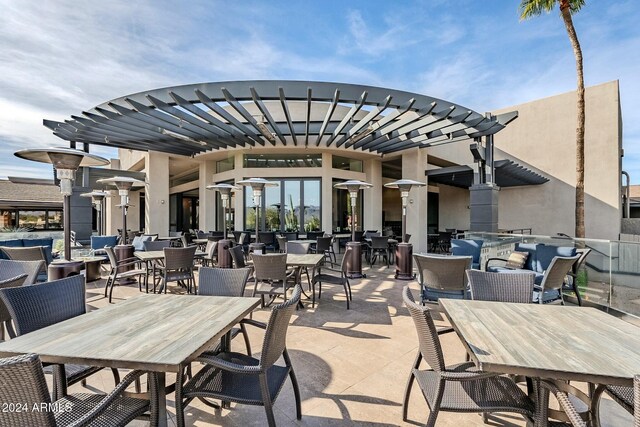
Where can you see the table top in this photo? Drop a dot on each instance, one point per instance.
(547, 341)
(389, 240)
(200, 241)
(301, 241)
(153, 255)
(304, 260)
(149, 332)
(168, 238)
(88, 258)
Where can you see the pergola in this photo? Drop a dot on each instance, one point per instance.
(192, 119)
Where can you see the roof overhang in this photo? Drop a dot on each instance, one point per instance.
(508, 174)
(193, 119)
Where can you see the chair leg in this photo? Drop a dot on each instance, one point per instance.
(266, 400)
(294, 383)
(407, 391)
(346, 292)
(111, 290)
(245, 335)
(433, 416)
(180, 404)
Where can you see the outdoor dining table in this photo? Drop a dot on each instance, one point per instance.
(152, 333)
(547, 341)
(149, 256)
(301, 261)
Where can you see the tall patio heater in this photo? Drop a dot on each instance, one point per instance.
(404, 250)
(97, 198)
(257, 185)
(124, 184)
(354, 262)
(225, 190)
(66, 162)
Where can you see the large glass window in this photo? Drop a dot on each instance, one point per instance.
(342, 215)
(225, 164)
(7, 219)
(347, 164)
(294, 205)
(54, 219)
(282, 160)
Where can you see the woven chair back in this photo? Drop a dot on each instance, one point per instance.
(313, 235)
(504, 287)
(242, 239)
(557, 271)
(428, 339)
(270, 267)
(443, 272)
(31, 253)
(323, 244)
(636, 400)
(179, 258)
(23, 381)
(282, 243)
(11, 282)
(266, 237)
(298, 248)
(237, 255)
(112, 257)
(223, 282)
(9, 268)
(289, 235)
(275, 337)
(156, 245)
(212, 248)
(36, 307)
(379, 242)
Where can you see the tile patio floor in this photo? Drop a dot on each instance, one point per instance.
(352, 365)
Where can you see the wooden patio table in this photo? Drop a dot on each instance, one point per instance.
(547, 341)
(153, 333)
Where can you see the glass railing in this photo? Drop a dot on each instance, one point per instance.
(609, 277)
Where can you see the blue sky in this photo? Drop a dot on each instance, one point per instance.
(58, 58)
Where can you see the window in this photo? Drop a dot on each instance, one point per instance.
(347, 164)
(225, 164)
(282, 160)
(46, 219)
(294, 205)
(54, 219)
(7, 219)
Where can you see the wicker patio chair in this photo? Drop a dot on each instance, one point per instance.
(225, 282)
(623, 396)
(178, 267)
(290, 235)
(5, 317)
(636, 400)
(117, 273)
(10, 269)
(187, 240)
(504, 287)
(300, 248)
(269, 240)
(568, 415)
(235, 377)
(36, 307)
(271, 275)
(156, 245)
(571, 282)
(550, 288)
(282, 244)
(324, 245)
(23, 381)
(442, 276)
(379, 246)
(210, 257)
(339, 277)
(30, 253)
(457, 388)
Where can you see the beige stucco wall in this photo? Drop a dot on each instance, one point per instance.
(543, 137)
(453, 208)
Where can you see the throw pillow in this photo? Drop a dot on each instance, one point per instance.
(517, 259)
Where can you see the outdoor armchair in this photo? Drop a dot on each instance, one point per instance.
(156, 245)
(379, 246)
(333, 276)
(566, 395)
(442, 276)
(468, 247)
(282, 244)
(23, 382)
(457, 388)
(36, 307)
(10, 269)
(571, 282)
(551, 287)
(225, 282)
(487, 286)
(30, 253)
(178, 267)
(324, 245)
(235, 377)
(271, 275)
(9, 282)
(127, 268)
(210, 253)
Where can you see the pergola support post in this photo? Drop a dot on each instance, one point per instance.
(483, 205)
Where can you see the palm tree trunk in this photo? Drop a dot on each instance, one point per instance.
(565, 10)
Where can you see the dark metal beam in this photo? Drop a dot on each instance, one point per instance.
(352, 112)
(244, 113)
(327, 117)
(265, 111)
(250, 132)
(287, 115)
(384, 122)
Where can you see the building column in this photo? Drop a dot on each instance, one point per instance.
(414, 164)
(156, 199)
(112, 216)
(207, 212)
(239, 195)
(373, 196)
(326, 191)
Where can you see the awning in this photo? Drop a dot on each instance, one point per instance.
(508, 174)
(198, 118)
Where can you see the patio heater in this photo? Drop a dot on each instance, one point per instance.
(97, 198)
(257, 185)
(124, 184)
(225, 190)
(404, 250)
(66, 162)
(354, 262)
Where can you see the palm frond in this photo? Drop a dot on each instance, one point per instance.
(531, 8)
(576, 5)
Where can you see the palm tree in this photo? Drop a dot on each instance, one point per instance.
(529, 9)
